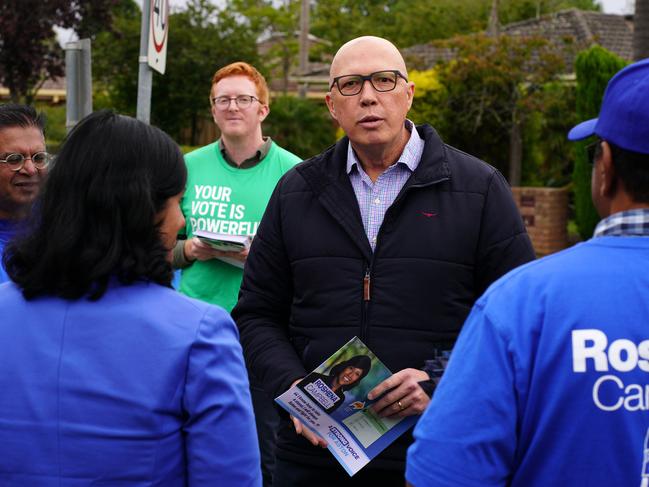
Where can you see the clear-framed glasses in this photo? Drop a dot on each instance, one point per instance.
(242, 101)
(17, 161)
(352, 84)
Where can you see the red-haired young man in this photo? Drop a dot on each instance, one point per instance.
(229, 184)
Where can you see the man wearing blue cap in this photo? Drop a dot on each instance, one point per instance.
(548, 383)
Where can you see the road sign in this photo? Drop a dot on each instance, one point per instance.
(158, 34)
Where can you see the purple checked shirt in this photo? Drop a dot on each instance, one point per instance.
(374, 198)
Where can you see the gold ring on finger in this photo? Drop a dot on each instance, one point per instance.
(401, 406)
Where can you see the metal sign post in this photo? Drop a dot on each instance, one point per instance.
(145, 75)
(154, 33)
(78, 76)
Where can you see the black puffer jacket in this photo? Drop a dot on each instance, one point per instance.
(452, 231)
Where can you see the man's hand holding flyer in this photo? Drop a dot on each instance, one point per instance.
(332, 402)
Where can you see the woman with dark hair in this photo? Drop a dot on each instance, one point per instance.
(342, 377)
(108, 376)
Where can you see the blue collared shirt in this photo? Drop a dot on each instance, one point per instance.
(374, 198)
(630, 223)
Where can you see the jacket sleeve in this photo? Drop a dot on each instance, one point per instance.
(503, 243)
(263, 310)
(221, 441)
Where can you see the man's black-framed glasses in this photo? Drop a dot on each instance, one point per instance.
(17, 161)
(591, 150)
(242, 101)
(352, 84)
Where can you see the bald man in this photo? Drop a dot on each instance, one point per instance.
(390, 235)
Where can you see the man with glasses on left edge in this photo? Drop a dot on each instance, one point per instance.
(229, 183)
(23, 166)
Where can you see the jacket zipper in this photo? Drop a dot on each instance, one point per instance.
(367, 278)
(366, 285)
(367, 296)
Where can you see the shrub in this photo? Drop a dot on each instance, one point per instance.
(429, 92)
(547, 153)
(487, 93)
(299, 125)
(594, 68)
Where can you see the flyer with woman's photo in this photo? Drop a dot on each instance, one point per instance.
(332, 402)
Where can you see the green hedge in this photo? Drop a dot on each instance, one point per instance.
(54, 124)
(594, 68)
(300, 125)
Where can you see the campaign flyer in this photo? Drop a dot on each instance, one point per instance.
(332, 401)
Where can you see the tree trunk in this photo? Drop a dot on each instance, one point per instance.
(494, 23)
(641, 30)
(515, 153)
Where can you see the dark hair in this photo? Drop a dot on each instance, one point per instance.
(14, 115)
(362, 362)
(633, 170)
(96, 216)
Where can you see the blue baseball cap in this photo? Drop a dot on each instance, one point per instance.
(624, 116)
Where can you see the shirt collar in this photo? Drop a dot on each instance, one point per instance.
(250, 162)
(630, 223)
(410, 156)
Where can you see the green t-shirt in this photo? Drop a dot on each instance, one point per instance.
(224, 199)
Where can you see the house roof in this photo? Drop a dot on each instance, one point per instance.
(567, 27)
(425, 56)
(280, 36)
(585, 28)
(52, 91)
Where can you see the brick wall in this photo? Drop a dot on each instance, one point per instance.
(545, 213)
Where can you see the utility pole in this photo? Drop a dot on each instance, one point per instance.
(145, 75)
(304, 46)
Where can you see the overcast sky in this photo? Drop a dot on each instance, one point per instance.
(617, 6)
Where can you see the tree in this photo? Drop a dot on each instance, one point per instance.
(300, 125)
(115, 60)
(594, 68)
(202, 39)
(427, 106)
(516, 10)
(267, 19)
(490, 89)
(405, 22)
(546, 150)
(409, 22)
(29, 51)
(641, 30)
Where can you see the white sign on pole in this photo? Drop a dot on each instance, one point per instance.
(158, 35)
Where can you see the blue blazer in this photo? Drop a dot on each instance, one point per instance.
(144, 387)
